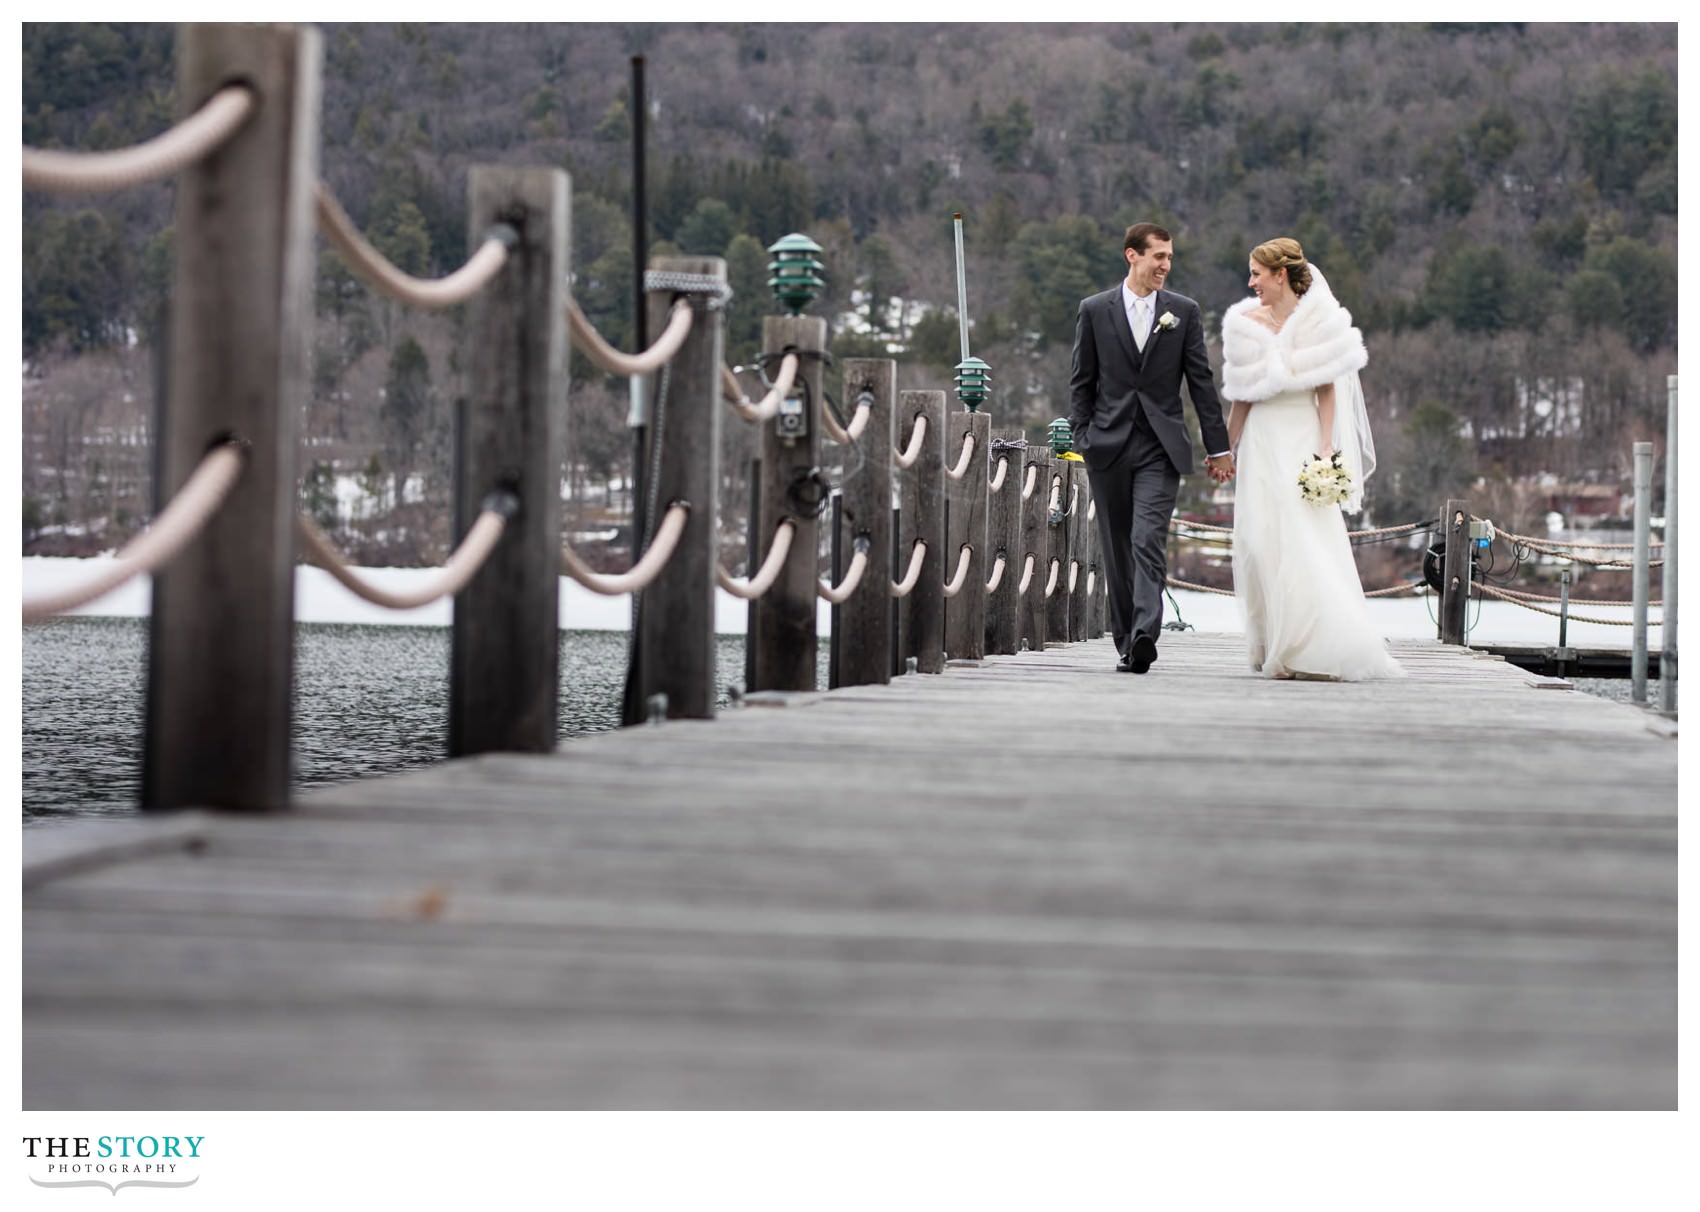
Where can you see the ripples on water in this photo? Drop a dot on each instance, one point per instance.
(368, 700)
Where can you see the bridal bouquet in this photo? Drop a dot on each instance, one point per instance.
(1325, 481)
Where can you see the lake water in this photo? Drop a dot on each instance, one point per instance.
(368, 700)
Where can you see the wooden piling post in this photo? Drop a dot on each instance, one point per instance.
(1003, 536)
(505, 657)
(1035, 542)
(1455, 575)
(921, 490)
(965, 525)
(1080, 530)
(676, 618)
(861, 638)
(1093, 556)
(221, 630)
(782, 620)
(1061, 523)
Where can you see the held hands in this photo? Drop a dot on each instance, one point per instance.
(1220, 467)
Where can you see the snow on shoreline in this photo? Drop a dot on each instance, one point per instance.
(319, 599)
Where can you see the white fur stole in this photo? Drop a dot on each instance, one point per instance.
(1316, 345)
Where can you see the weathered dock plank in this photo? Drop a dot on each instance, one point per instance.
(1027, 882)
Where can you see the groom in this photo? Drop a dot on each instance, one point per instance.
(1133, 344)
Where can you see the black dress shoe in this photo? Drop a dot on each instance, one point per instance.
(1143, 653)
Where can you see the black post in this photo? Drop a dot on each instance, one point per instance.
(633, 710)
(753, 547)
(835, 654)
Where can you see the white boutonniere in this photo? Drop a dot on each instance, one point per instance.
(1167, 320)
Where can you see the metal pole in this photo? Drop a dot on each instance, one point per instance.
(961, 288)
(1643, 500)
(1563, 608)
(1667, 612)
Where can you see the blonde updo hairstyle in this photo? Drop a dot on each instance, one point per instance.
(1284, 253)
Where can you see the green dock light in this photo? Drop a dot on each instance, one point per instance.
(1062, 437)
(973, 383)
(796, 271)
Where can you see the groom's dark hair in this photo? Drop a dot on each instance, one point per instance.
(1141, 234)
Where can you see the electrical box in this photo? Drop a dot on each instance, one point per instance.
(791, 422)
(1481, 532)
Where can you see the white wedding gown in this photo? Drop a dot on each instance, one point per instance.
(1294, 575)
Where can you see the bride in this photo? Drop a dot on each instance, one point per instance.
(1290, 372)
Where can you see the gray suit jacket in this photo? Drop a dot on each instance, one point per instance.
(1110, 378)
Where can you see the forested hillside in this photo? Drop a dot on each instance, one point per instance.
(1495, 203)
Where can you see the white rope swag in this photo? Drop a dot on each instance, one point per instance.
(377, 271)
(481, 539)
(750, 588)
(190, 510)
(639, 575)
(163, 156)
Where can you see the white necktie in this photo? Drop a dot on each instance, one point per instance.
(1141, 322)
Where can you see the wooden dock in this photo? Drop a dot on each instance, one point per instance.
(1029, 882)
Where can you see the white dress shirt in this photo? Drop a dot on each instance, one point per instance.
(1140, 318)
(1139, 310)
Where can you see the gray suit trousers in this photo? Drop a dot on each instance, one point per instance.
(1136, 497)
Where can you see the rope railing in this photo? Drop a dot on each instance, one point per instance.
(481, 539)
(1026, 576)
(1416, 587)
(1543, 597)
(181, 520)
(1092, 510)
(640, 574)
(1408, 587)
(996, 482)
(1056, 494)
(1051, 581)
(162, 156)
(1073, 575)
(584, 335)
(840, 593)
(1404, 528)
(1073, 499)
(767, 407)
(1091, 581)
(750, 588)
(911, 577)
(1032, 480)
(1177, 583)
(996, 579)
(1559, 550)
(917, 440)
(377, 271)
(961, 468)
(1531, 541)
(961, 578)
(1572, 615)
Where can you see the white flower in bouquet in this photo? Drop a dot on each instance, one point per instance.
(1325, 481)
